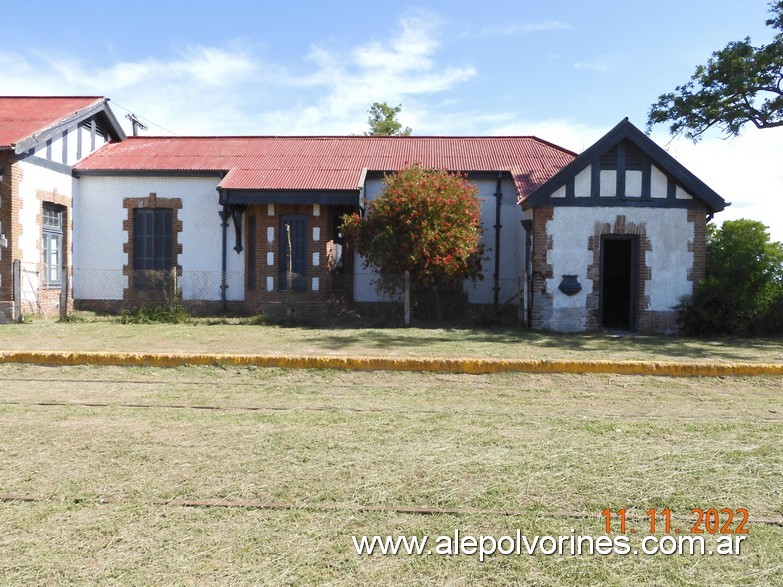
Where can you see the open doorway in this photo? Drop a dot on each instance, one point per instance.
(618, 282)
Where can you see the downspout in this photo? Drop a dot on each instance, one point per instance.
(224, 214)
(527, 226)
(498, 202)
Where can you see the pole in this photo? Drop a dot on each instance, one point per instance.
(17, 313)
(173, 300)
(498, 226)
(223, 263)
(290, 272)
(407, 298)
(64, 293)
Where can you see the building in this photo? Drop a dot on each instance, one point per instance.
(611, 238)
(41, 138)
(619, 237)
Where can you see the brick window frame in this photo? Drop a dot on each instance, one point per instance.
(620, 227)
(49, 291)
(131, 293)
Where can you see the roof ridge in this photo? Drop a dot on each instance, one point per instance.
(52, 97)
(319, 137)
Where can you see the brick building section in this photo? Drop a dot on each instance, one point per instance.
(541, 243)
(320, 223)
(132, 296)
(48, 298)
(698, 246)
(10, 205)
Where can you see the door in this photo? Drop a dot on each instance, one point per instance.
(297, 224)
(619, 269)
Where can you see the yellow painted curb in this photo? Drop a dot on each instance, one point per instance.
(674, 369)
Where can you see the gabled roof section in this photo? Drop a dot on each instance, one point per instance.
(625, 131)
(325, 163)
(26, 121)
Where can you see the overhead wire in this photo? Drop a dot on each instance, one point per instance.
(147, 120)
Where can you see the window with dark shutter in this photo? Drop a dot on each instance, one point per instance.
(152, 246)
(152, 240)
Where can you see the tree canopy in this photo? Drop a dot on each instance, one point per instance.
(383, 120)
(740, 84)
(426, 222)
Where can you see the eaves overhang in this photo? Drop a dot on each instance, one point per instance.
(99, 108)
(323, 197)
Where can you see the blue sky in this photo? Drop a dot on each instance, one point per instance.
(566, 71)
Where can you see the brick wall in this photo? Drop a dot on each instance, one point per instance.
(541, 243)
(9, 221)
(10, 205)
(698, 246)
(49, 297)
(321, 286)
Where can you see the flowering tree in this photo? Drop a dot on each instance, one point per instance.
(426, 222)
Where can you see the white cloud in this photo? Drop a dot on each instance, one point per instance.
(745, 171)
(602, 63)
(393, 71)
(566, 133)
(227, 90)
(518, 29)
(410, 50)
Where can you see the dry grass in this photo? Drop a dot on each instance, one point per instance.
(537, 444)
(414, 342)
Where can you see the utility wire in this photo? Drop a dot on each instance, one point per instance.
(142, 118)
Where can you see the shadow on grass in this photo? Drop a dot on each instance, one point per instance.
(586, 346)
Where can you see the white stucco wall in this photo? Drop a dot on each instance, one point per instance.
(668, 231)
(98, 251)
(36, 178)
(512, 247)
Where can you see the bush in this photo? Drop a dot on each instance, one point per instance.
(742, 294)
(152, 313)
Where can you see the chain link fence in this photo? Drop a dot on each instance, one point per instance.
(446, 304)
(38, 289)
(359, 296)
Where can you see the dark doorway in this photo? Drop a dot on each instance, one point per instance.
(618, 282)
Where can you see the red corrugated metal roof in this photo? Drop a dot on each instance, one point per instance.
(23, 116)
(328, 163)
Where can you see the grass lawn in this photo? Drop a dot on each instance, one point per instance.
(511, 343)
(555, 450)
